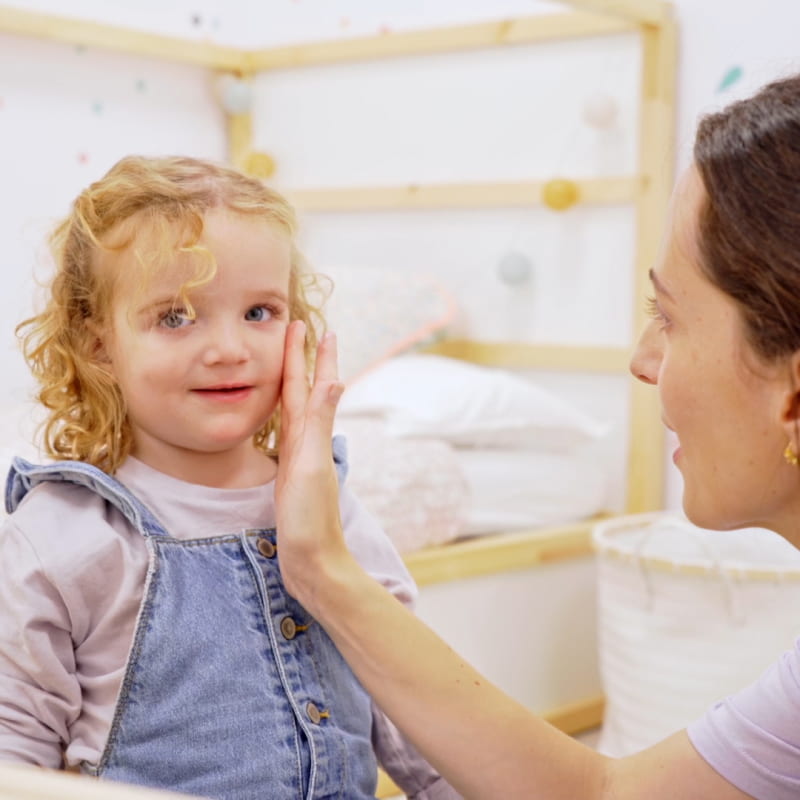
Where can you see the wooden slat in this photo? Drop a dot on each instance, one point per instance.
(517, 355)
(582, 715)
(591, 191)
(240, 137)
(522, 30)
(656, 155)
(501, 552)
(387, 787)
(110, 37)
(648, 12)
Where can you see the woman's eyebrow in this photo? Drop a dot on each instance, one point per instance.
(658, 286)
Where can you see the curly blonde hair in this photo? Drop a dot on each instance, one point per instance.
(169, 197)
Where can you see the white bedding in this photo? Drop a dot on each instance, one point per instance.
(414, 487)
(442, 449)
(425, 491)
(511, 489)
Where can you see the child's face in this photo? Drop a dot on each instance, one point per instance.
(203, 386)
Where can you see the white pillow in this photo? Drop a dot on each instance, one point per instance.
(515, 489)
(423, 395)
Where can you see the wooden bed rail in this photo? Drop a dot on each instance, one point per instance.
(501, 552)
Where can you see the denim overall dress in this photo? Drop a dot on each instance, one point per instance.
(231, 690)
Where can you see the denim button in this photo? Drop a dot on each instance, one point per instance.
(266, 548)
(288, 628)
(313, 713)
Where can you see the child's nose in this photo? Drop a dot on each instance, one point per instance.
(646, 360)
(226, 344)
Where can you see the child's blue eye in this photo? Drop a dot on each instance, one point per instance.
(174, 318)
(258, 314)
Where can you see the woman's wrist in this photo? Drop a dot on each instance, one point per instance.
(324, 580)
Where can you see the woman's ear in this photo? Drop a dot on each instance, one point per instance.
(790, 407)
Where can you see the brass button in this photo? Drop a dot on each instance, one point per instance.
(313, 713)
(266, 548)
(288, 628)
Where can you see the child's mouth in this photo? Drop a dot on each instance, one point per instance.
(224, 392)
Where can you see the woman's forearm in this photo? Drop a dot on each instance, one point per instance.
(484, 743)
(451, 713)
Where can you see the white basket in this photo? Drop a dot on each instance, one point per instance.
(685, 617)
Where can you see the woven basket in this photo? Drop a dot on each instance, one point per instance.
(686, 617)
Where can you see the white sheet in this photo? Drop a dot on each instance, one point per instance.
(514, 489)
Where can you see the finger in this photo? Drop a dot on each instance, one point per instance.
(325, 391)
(294, 390)
(326, 367)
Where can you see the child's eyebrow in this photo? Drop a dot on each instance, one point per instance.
(155, 306)
(658, 286)
(268, 296)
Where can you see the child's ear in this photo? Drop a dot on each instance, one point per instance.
(98, 352)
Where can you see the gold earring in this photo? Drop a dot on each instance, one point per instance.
(790, 455)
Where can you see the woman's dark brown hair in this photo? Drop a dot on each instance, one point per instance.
(748, 157)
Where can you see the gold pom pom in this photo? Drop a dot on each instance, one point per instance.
(560, 194)
(259, 165)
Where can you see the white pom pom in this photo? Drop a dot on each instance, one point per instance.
(235, 94)
(515, 268)
(600, 111)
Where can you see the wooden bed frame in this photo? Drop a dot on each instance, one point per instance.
(647, 191)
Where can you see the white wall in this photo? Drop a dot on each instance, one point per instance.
(66, 114)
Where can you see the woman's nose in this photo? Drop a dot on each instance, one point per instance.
(646, 360)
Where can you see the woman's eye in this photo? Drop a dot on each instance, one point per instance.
(654, 310)
(174, 318)
(258, 314)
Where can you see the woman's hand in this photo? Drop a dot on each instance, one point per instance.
(309, 528)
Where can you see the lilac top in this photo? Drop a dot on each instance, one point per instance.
(752, 738)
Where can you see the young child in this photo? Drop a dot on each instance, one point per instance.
(145, 633)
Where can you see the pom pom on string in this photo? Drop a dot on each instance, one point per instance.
(560, 194)
(235, 94)
(515, 268)
(600, 112)
(259, 164)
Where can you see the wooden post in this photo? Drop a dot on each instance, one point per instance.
(656, 157)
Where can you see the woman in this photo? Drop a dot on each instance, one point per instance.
(723, 348)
